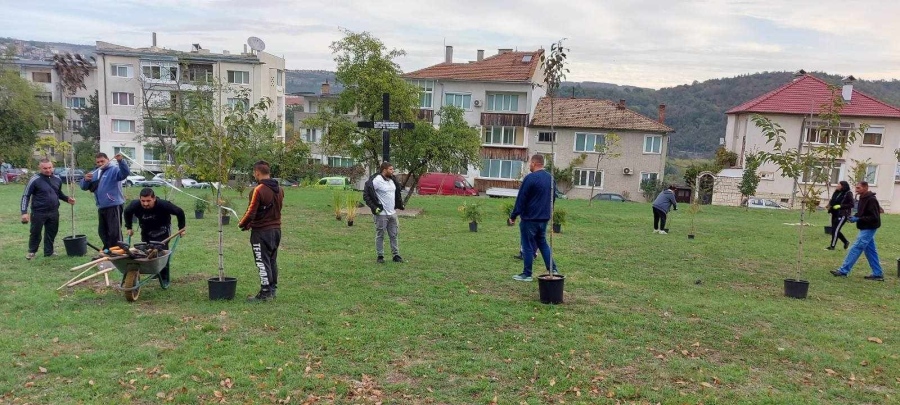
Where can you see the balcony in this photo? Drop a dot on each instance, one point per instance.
(504, 119)
(425, 114)
(504, 153)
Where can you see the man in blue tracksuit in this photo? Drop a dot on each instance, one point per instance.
(45, 192)
(106, 184)
(534, 204)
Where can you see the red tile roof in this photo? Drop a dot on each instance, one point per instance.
(504, 67)
(807, 94)
(593, 114)
(293, 100)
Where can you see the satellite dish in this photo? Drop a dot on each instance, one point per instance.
(256, 44)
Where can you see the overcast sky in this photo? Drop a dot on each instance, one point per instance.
(637, 42)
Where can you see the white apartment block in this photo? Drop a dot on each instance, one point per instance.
(131, 78)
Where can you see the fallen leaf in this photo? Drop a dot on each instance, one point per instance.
(706, 384)
(875, 340)
(91, 382)
(864, 363)
(610, 394)
(160, 394)
(552, 382)
(217, 394)
(830, 371)
(42, 370)
(29, 384)
(696, 344)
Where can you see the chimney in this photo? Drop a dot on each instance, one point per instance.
(799, 74)
(847, 91)
(662, 113)
(326, 88)
(503, 50)
(448, 54)
(621, 105)
(480, 55)
(245, 49)
(154, 40)
(195, 48)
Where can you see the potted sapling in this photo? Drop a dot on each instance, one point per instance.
(472, 212)
(353, 200)
(559, 219)
(693, 209)
(337, 202)
(507, 209)
(201, 205)
(76, 245)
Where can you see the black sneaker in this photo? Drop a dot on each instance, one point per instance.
(262, 296)
(519, 256)
(380, 259)
(874, 277)
(164, 284)
(830, 248)
(837, 274)
(398, 259)
(846, 244)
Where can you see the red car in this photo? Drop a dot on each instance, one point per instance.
(445, 184)
(12, 175)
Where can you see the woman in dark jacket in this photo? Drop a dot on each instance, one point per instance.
(839, 207)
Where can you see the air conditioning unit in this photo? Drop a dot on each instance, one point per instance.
(477, 103)
(626, 170)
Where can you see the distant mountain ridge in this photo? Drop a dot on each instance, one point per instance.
(696, 110)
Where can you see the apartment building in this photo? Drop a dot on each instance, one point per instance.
(133, 82)
(313, 103)
(498, 95)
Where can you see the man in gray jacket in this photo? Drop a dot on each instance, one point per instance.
(664, 201)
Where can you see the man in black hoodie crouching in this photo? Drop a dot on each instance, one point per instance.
(263, 219)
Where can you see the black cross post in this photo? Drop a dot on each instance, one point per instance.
(386, 125)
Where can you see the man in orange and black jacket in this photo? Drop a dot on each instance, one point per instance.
(263, 219)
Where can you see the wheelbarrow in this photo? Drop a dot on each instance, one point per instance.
(133, 268)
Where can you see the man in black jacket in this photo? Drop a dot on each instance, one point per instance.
(382, 194)
(868, 220)
(155, 218)
(45, 192)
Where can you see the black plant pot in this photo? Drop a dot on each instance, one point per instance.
(795, 288)
(350, 222)
(898, 267)
(226, 220)
(75, 245)
(828, 230)
(473, 226)
(222, 290)
(550, 288)
(557, 228)
(691, 236)
(198, 214)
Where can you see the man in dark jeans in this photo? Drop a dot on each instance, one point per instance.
(106, 184)
(45, 192)
(155, 217)
(263, 219)
(534, 204)
(867, 220)
(664, 201)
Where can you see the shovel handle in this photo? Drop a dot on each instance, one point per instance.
(89, 264)
(172, 236)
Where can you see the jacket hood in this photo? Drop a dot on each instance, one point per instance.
(270, 183)
(867, 194)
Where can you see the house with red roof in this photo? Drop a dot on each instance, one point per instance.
(796, 107)
(498, 95)
(579, 124)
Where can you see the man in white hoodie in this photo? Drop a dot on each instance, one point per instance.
(664, 201)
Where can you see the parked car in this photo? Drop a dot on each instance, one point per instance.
(336, 182)
(63, 173)
(500, 192)
(445, 184)
(610, 197)
(286, 182)
(13, 174)
(149, 183)
(754, 202)
(134, 178)
(191, 183)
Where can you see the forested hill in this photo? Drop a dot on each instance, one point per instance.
(697, 111)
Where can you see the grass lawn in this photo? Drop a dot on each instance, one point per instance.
(648, 318)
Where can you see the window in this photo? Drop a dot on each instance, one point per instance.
(897, 173)
(125, 151)
(502, 169)
(872, 175)
(426, 92)
(44, 97)
(546, 137)
(122, 98)
(500, 135)
(819, 132)
(310, 135)
(238, 77)
(502, 102)
(279, 77)
(653, 144)
(587, 142)
(123, 126)
(74, 125)
(586, 177)
(649, 176)
(339, 161)
(40, 77)
(767, 175)
(165, 71)
(463, 101)
(121, 70)
(152, 154)
(75, 102)
(873, 136)
(821, 174)
(242, 103)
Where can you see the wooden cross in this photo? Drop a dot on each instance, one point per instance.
(386, 125)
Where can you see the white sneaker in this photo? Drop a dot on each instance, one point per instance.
(663, 232)
(656, 231)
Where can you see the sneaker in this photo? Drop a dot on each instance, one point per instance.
(521, 277)
(380, 259)
(262, 296)
(663, 232)
(656, 231)
(398, 259)
(846, 244)
(29, 256)
(164, 284)
(519, 256)
(554, 272)
(837, 273)
(830, 248)
(51, 255)
(874, 277)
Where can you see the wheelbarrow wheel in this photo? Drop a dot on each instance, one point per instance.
(132, 292)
